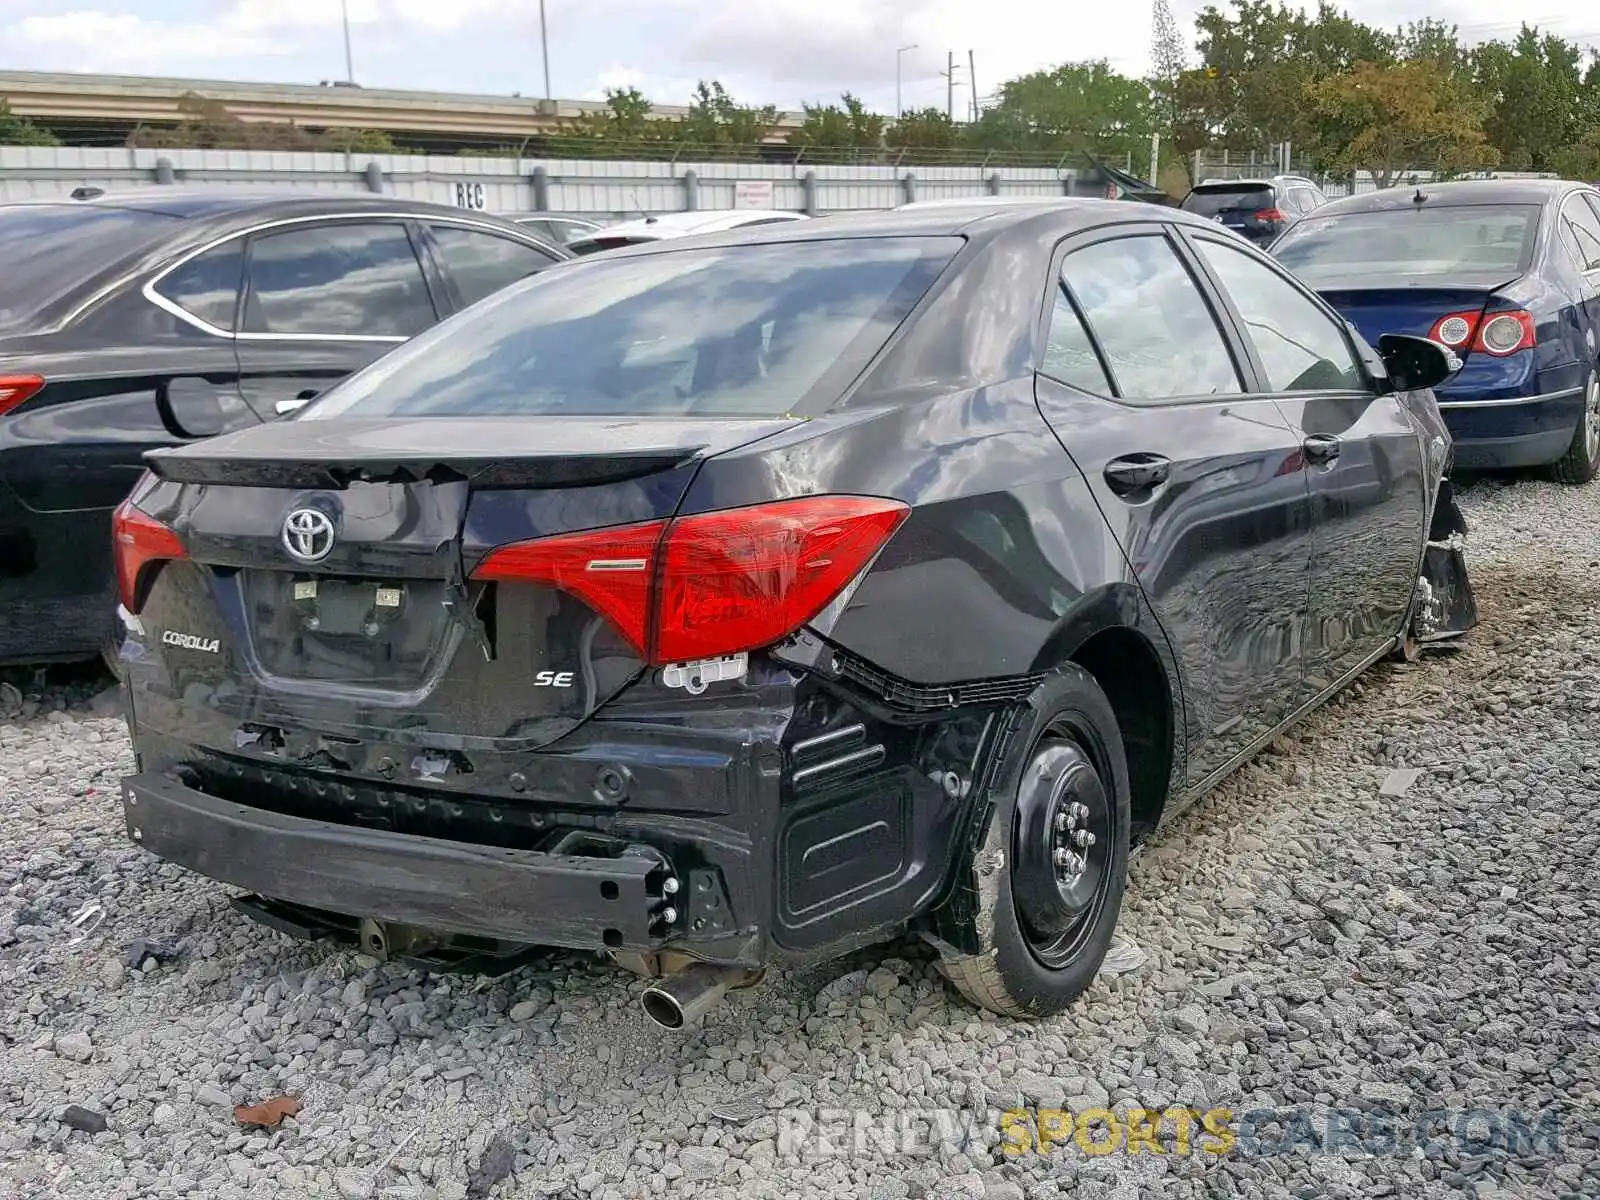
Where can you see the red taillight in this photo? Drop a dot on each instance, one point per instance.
(610, 570)
(14, 389)
(1498, 333)
(1270, 214)
(138, 540)
(714, 583)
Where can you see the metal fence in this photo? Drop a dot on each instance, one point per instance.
(502, 184)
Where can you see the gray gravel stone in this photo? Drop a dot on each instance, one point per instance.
(1303, 941)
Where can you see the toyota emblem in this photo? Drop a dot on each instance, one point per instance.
(308, 534)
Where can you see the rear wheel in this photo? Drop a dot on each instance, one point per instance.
(1056, 858)
(1581, 462)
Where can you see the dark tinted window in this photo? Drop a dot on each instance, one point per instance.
(1460, 239)
(1068, 354)
(1213, 200)
(1301, 347)
(207, 286)
(48, 250)
(736, 331)
(1585, 230)
(1150, 319)
(483, 263)
(347, 278)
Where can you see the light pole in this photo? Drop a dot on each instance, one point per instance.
(349, 63)
(544, 46)
(899, 58)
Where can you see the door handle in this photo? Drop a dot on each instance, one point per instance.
(1321, 447)
(1137, 473)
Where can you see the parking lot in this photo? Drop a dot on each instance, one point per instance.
(1315, 951)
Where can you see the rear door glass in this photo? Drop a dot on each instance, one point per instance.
(1585, 224)
(207, 286)
(345, 279)
(48, 251)
(482, 263)
(1151, 319)
(754, 330)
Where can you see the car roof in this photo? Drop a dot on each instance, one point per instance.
(1458, 192)
(196, 203)
(686, 224)
(1048, 216)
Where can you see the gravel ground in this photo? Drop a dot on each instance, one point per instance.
(1313, 948)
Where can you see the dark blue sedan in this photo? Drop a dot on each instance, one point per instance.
(1506, 273)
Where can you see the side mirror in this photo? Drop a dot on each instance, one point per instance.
(197, 408)
(1415, 363)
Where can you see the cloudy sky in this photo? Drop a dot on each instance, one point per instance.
(782, 52)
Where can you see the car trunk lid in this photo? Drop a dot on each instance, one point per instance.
(327, 581)
(1412, 305)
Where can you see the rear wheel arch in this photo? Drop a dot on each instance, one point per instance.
(1110, 637)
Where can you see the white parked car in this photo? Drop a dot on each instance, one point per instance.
(676, 225)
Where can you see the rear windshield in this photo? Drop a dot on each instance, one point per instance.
(753, 330)
(48, 250)
(1209, 201)
(1454, 240)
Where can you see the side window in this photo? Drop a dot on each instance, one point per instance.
(1159, 337)
(1585, 224)
(1068, 354)
(207, 286)
(348, 278)
(1301, 347)
(483, 263)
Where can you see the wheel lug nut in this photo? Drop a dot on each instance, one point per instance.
(1061, 821)
(1083, 838)
(1063, 856)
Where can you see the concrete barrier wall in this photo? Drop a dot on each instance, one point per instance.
(522, 185)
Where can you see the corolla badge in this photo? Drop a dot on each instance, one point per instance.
(308, 534)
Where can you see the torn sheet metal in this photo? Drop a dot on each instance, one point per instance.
(1447, 607)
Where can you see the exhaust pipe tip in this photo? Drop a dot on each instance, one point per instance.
(681, 1000)
(663, 1009)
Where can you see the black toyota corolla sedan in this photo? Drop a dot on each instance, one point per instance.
(748, 598)
(152, 318)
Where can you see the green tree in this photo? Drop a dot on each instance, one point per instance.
(714, 120)
(838, 132)
(1391, 118)
(625, 117)
(1533, 86)
(357, 141)
(19, 131)
(925, 135)
(1075, 107)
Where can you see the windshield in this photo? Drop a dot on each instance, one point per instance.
(51, 249)
(751, 330)
(1208, 202)
(1454, 240)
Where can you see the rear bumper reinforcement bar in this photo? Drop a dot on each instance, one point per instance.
(457, 887)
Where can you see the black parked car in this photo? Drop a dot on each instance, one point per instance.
(1257, 209)
(135, 321)
(752, 597)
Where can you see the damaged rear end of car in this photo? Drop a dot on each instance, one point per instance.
(462, 688)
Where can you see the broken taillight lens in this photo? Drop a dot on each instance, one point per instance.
(139, 541)
(713, 583)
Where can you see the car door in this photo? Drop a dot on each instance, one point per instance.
(476, 262)
(1365, 461)
(1582, 212)
(324, 298)
(1200, 480)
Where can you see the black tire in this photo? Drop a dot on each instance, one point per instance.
(111, 651)
(1581, 462)
(1071, 742)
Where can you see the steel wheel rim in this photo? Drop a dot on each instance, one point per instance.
(1062, 843)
